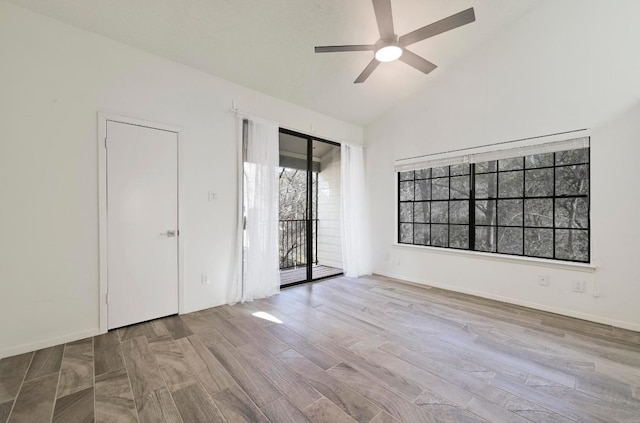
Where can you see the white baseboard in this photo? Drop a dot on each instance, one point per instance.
(198, 308)
(558, 310)
(20, 349)
(24, 348)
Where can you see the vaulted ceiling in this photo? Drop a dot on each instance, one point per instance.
(267, 45)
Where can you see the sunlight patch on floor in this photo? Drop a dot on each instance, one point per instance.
(266, 316)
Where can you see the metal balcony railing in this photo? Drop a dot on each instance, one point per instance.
(293, 243)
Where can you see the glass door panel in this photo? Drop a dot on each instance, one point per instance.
(309, 228)
(293, 209)
(326, 211)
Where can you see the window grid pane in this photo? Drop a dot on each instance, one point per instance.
(535, 206)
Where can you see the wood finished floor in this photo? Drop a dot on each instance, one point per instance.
(341, 350)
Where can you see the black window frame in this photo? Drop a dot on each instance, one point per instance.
(496, 226)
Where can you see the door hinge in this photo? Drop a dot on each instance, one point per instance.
(105, 142)
(107, 298)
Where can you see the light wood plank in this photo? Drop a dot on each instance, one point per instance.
(325, 411)
(114, 399)
(403, 386)
(5, 409)
(543, 399)
(174, 367)
(258, 387)
(298, 343)
(231, 333)
(176, 327)
(76, 372)
(107, 353)
(143, 370)
(150, 330)
(213, 376)
(393, 404)
(254, 328)
(385, 417)
(203, 328)
(282, 411)
(12, 373)
(287, 381)
(347, 399)
(158, 407)
(45, 362)
(77, 407)
(236, 406)
(196, 406)
(35, 400)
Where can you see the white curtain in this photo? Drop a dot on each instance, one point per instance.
(356, 253)
(259, 274)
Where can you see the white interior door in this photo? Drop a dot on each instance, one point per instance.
(142, 223)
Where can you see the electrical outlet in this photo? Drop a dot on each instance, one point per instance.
(579, 286)
(212, 196)
(386, 257)
(205, 279)
(543, 280)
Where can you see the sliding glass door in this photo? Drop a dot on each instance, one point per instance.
(310, 232)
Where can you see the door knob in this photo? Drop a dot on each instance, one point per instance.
(169, 234)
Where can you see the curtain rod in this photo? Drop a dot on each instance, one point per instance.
(494, 144)
(312, 132)
(237, 111)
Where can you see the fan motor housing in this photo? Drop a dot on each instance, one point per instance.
(387, 50)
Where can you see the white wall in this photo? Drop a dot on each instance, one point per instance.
(53, 81)
(329, 216)
(566, 65)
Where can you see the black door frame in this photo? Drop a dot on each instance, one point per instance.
(309, 221)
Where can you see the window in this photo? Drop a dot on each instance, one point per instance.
(535, 205)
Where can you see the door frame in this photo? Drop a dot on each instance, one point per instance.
(309, 223)
(103, 118)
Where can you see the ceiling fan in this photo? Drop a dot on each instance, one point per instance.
(391, 47)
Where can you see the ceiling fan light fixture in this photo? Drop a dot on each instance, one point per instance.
(390, 47)
(388, 53)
